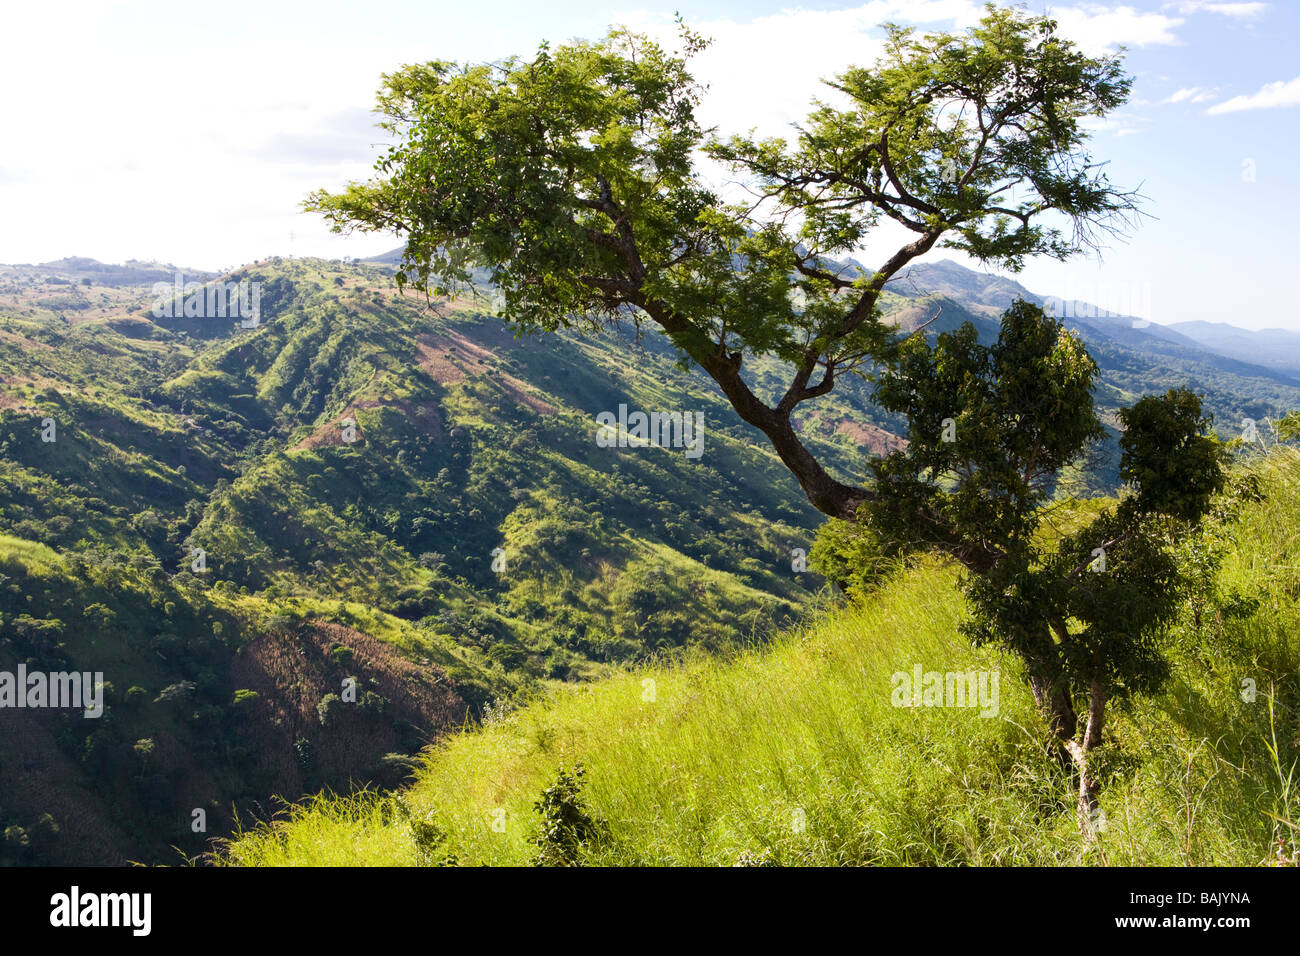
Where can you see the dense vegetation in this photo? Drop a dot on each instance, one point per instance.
(200, 513)
(372, 559)
(673, 772)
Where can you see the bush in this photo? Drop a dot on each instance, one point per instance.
(328, 708)
(245, 698)
(567, 826)
(849, 554)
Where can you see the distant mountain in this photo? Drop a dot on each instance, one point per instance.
(1242, 374)
(79, 269)
(1272, 348)
(975, 289)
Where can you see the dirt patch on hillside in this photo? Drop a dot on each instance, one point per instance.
(453, 357)
(518, 391)
(437, 356)
(336, 432)
(879, 441)
(292, 672)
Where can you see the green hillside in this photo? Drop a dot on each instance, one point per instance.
(673, 772)
(183, 511)
(230, 523)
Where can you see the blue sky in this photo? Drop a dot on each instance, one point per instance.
(171, 132)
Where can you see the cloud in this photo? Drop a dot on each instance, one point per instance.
(1190, 94)
(1267, 97)
(1123, 124)
(1226, 9)
(1100, 29)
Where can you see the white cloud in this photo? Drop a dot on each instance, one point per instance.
(1267, 97)
(1226, 9)
(1098, 28)
(1122, 124)
(1190, 94)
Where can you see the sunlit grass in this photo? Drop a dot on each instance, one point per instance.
(795, 752)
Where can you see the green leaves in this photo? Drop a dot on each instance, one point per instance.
(990, 426)
(970, 137)
(533, 171)
(1168, 455)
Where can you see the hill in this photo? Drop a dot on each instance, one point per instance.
(372, 496)
(232, 522)
(1272, 348)
(674, 772)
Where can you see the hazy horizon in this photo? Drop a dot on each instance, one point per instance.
(207, 133)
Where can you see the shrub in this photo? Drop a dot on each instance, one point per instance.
(328, 708)
(245, 698)
(567, 826)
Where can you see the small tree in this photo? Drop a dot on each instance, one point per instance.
(567, 825)
(989, 429)
(329, 708)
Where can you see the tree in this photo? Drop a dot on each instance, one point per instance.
(572, 179)
(989, 429)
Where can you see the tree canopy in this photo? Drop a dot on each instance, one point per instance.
(577, 180)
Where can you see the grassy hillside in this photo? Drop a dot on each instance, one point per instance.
(793, 754)
(130, 444)
(350, 471)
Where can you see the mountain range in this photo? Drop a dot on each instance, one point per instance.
(301, 550)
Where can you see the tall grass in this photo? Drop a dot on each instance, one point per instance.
(795, 754)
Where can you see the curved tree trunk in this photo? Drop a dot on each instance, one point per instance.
(1079, 751)
(1053, 699)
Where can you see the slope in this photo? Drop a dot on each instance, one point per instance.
(796, 754)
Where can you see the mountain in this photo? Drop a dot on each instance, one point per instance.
(1136, 357)
(300, 551)
(303, 544)
(1272, 348)
(79, 270)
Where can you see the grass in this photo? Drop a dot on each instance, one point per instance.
(36, 557)
(793, 754)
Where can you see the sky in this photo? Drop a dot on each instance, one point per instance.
(190, 134)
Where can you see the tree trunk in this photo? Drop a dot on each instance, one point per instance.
(1054, 701)
(1079, 751)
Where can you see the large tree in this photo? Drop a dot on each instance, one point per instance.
(579, 180)
(575, 180)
